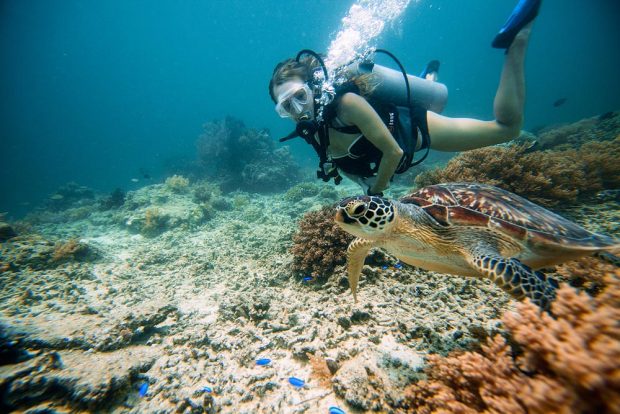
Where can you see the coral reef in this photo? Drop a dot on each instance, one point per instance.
(70, 250)
(570, 363)
(246, 159)
(319, 244)
(69, 195)
(600, 128)
(115, 200)
(308, 189)
(548, 178)
(177, 183)
(6, 231)
(587, 273)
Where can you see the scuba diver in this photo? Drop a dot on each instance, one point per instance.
(362, 130)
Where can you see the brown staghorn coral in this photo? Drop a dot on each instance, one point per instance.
(570, 364)
(601, 162)
(319, 244)
(547, 178)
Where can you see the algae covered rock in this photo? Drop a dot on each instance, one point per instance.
(6, 232)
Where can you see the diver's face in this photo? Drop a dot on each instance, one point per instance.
(294, 100)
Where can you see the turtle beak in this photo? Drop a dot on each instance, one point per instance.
(339, 216)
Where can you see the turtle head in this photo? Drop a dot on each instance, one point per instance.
(365, 216)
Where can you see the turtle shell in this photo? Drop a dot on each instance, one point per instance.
(479, 205)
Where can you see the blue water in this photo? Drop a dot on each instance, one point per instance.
(92, 91)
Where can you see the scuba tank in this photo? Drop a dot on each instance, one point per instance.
(391, 87)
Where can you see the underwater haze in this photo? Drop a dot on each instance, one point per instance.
(92, 92)
(162, 252)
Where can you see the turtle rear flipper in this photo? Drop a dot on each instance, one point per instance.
(516, 278)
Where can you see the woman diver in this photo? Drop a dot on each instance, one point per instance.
(355, 138)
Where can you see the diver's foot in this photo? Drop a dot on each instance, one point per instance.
(518, 22)
(431, 70)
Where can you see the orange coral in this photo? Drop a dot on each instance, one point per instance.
(548, 177)
(320, 370)
(570, 364)
(319, 245)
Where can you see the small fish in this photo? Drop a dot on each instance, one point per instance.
(134, 180)
(308, 278)
(144, 389)
(336, 410)
(207, 389)
(384, 267)
(296, 382)
(263, 361)
(398, 265)
(144, 173)
(559, 102)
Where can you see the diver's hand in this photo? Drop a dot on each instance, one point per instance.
(371, 192)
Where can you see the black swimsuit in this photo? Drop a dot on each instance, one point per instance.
(363, 158)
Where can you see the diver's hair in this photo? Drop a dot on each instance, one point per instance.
(290, 69)
(306, 67)
(366, 83)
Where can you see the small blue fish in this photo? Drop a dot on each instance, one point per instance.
(207, 389)
(335, 410)
(384, 267)
(308, 278)
(296, 382)
(144, 388)
(263, 361)
(398, 265)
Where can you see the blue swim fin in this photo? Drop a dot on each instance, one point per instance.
(524, 12)
(431, 67)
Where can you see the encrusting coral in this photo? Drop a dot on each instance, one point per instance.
(545, 177)
(319, 245)
(569, 363)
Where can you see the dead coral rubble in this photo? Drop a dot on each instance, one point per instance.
(570, 364)
(547, 178)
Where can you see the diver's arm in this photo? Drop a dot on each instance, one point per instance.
(355, 110)
(462, 134)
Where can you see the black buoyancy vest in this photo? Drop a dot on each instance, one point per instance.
(406, 124)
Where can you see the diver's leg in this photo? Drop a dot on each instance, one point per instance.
(462, 134)
(510, 97)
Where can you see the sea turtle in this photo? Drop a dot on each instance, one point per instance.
(470, 230)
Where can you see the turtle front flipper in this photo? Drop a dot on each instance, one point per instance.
(515, 278)
(356, 253)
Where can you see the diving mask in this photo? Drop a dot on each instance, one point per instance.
(294, 101)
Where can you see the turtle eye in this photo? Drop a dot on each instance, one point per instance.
(358, 210)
